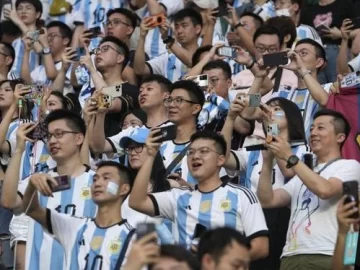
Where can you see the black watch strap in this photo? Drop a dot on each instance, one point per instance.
(292, 161)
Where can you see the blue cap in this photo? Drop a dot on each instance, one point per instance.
(138, 135)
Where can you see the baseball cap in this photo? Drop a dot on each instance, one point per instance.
(138, 135)
(205, 4)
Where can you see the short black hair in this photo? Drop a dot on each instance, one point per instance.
(124, 172)
(195, 92)
(36, 3)
(197, 54)
(130, 16)
(214, 242)
(194, 16)
(179, 254)
(122, 47)
(268, 30)
(218, 139)
(10, 28)
(219, 64)
(10, 51)
(165, 83)
(257, 19)
(65, 30)
(73, 120)
(286, 26)
(341, 124)
(319, 49)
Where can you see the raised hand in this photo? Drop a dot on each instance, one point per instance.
(152, 143)
(22, 135)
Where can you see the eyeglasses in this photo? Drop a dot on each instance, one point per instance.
(177, 101)
(133, 123)
(203, 151)
(115, 22)
(267, 49)
(51, 37)
(303, 52)
(104, 49)
(58, 134)
(138, 148)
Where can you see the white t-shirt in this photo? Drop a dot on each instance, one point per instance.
(312, 226)
(354, 64)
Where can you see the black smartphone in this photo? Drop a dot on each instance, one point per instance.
(143, 229)
(356, 22)
(38, 133)
(351, 190)
(168, 133)
(199, 230)
(79, 52)
(309, 160)
(64, 183)
(322, 28)
(227, 52)
(222, 9)
(276, 59)
(95, 31)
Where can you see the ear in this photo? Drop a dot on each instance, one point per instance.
(207, 262)
(8, 60)
(120, 59)
(340, 138)
(124, 189)
(287, 39)
(296, 7)
(38, 15)
(320, 63)
(198, 29)
(130, 30)
(197, 109)
(66, 42)
(221, 160)
(229, 83)
(166, 95)
(79, 139)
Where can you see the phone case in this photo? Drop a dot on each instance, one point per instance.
(275, 59)
(254, 100)
(351, 248)
(227, 52)
(143, 229)
(96, 31)
(104, 102)
(157, 20)
(8, 5)
(273, 129)
(36, 92)
(64, 183)
(202, 80)
(350, 188)
(168, 133)
(113, 91)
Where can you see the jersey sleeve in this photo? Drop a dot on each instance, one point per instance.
(158, 65)
(241, 156)
(354, 64)
(165, 203)
(63, 227)
(252, 215)
(115, 140)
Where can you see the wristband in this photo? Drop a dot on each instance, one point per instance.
(251, 65)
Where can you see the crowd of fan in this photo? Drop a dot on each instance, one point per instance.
(189, 134)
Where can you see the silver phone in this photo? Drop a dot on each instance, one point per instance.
(113, 91)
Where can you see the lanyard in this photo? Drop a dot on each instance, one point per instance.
(328, 164)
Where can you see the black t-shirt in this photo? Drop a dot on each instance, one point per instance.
(331, 15)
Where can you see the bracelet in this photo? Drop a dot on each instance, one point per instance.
(307, 72)
(251, 65)
(239, 24)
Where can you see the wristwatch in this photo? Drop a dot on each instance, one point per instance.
(292, 161)
(46, 50)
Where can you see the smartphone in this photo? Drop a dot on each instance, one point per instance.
(168, 133)
(273, 129)
(227, 52)
(356, 22)
(95, 31)
(36, 92)
(321, 28)
(200, 80)
(113, 91)
(104, 102)
(254, 100)
(350, 80)
(309, 160)
(198, 232)
(351, 190)
(222, 9)
(157, 20)
(38, 133)
(276, 59)
(63, 181)
(7, 4)
(79, 53)
(143, 229)
(170, 32)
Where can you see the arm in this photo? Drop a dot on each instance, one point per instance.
(140, 67)
(97, 141)
(242, 126)
(31, 204)
(209, 20)
(85, 148)
(50, 69)
(75, 41)
(25, 66)
(155, 7)
(259, 248)
(342, 58)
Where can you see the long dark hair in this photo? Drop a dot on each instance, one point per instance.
(293, 116)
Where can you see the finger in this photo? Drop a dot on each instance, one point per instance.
(147, 238)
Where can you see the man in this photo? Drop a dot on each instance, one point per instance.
(54, 42)
(9, 31)
(7, 58)
(224, 248)
(312, 194)
(188, 24)
(111, 58)
(98, 242)
(66, 132)
(292, 9)
(153, 90)
(212, 203)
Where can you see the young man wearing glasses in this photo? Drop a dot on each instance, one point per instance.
(66, 132)
(212, 203)
(7, 58)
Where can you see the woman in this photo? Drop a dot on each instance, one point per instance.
(284, 118)
(134, 118)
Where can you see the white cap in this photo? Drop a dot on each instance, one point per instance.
(205, 4)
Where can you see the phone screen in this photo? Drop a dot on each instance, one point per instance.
(64, 183)
(143, 229)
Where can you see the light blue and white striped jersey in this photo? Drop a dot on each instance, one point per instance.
(266, 11)
(214, 106)
(169, 66)
(43, 252)
(305, 31)
(67, 18)
(19, 53)
(11, 139)
(229, 205)
(38, 76)
(12, 75)
(305, 102)
(87, 245)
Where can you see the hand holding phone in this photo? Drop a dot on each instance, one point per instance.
(113, 91)
(63, 183)
(228, 52)
(95, 32)
(7, 5)
(168, 133)
(143, 229)
(156, 20)
(322, 29)
(276, 59)
(351, 190)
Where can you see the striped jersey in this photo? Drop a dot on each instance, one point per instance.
(19, 48)
(43, 252)
(354, 64)
(87, 245)
(265, 11)
(215, 108)
(305, 31)
(228, 205)
(303, 99)
(168, 65)
(12, 75)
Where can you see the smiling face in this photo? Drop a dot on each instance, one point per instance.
(182, 108)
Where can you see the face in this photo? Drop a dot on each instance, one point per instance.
(236, 257)
(53, 103)
(182, 108)
(308, 56)
(108, 56)
(186, 32)
(282, 4)
(203, 159)
(27, 13)
(151, 96)
(249, 24)
(219, 82)
(4, 58)
(166, 263)
(64, 142)
(56, 42)
(99, 188)
(266, 44)
(136, 154)
(118, 26)
(323, 135)
(277, 116)
(131, 121)
(6, 95)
